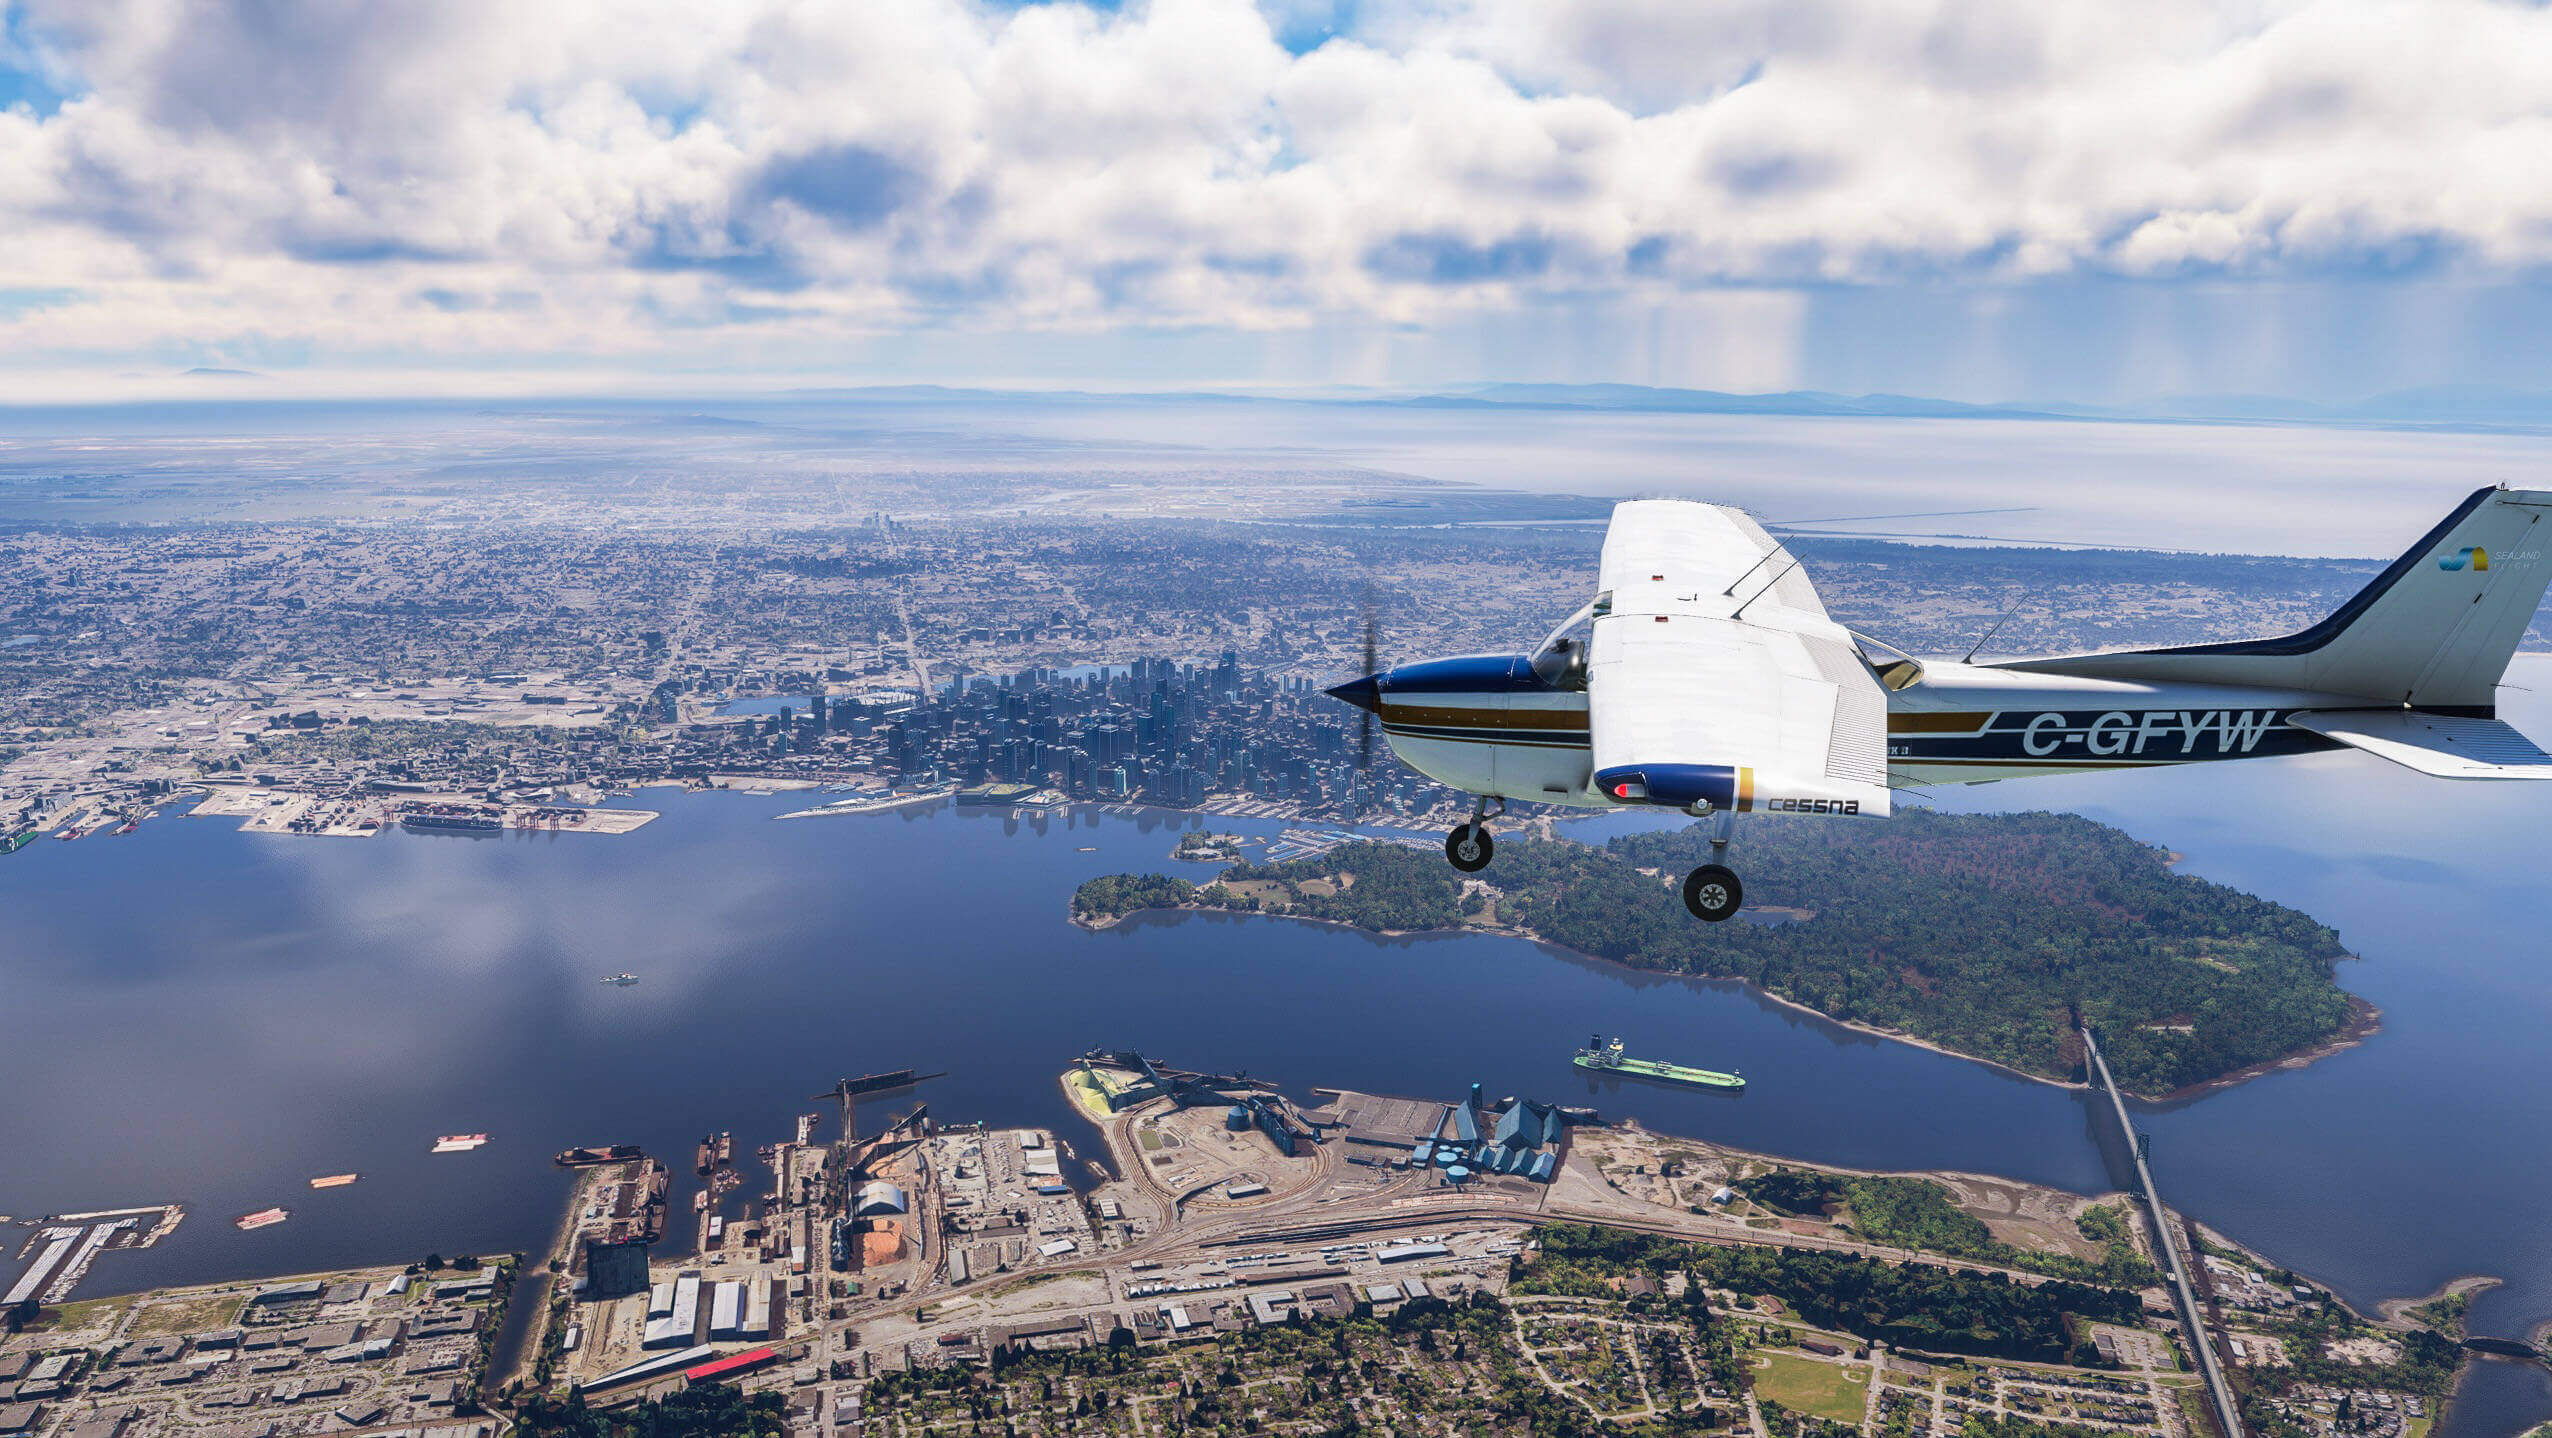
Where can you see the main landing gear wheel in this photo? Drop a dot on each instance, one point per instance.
(1469, 847)
(1713, 893)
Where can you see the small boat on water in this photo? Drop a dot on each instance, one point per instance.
(459, 1142)
(262, 1218)
(620, 981)
(334, 1180)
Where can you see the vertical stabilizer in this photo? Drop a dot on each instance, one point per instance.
(2434, 630)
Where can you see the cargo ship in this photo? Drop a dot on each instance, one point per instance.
(334, 1180)
(1605, 1057)
(450, 824)
(587, 1157)
(459, 1142)
(262, 1218)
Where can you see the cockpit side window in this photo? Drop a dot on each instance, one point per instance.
(1562, 664)
(1560, 659)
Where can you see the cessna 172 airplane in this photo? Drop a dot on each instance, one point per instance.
(1710, 680)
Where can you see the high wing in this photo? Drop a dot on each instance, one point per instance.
(2445, 746)
(1714, 674)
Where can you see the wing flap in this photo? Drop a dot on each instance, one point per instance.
(2444, 746)
(1857, 749)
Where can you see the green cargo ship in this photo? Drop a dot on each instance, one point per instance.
(1608, 1058)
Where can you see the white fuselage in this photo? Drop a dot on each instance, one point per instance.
(1489, 726)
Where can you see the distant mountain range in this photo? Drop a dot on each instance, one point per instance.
(1706, 401)
(2438, 406)
(2443, 405)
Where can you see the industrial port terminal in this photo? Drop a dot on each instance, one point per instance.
(909, 1235)
(818, 1266)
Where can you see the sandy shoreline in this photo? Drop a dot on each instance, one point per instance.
(2396, 1311)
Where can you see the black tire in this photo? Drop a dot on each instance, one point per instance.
(1470, 848)
(1713, 893)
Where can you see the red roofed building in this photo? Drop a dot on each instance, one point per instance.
(734, 1365)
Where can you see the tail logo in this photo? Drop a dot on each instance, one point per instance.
(2477, 557)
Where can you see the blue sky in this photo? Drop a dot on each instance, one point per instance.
(1999, 199)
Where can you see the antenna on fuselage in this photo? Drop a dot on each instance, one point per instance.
(1970, 656)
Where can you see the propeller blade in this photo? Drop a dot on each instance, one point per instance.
(1364, 726)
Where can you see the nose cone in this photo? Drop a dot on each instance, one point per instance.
(1365, 693)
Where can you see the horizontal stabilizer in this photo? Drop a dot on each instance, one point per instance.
(2443, 745)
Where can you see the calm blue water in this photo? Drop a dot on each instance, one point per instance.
(196, 1014)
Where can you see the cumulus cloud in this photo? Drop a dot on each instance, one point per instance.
(669, 178)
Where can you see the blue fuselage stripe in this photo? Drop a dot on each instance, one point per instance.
(2038, 739)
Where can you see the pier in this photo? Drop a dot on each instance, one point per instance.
(65, 1246)
(2228, 1414)
(847, 1093)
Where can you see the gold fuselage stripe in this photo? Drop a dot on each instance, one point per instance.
(1455, 716)
(1936, 723)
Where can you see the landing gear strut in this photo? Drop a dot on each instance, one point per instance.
(1712, 891)
(1469, 847)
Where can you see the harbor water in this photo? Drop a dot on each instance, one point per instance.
(213, 1018)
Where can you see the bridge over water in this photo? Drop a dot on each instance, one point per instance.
(2175, 1258)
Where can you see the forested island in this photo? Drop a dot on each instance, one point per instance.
(1981, 933)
